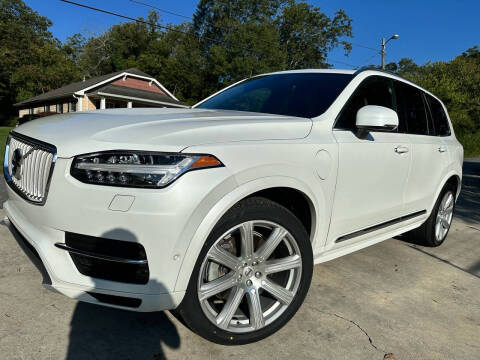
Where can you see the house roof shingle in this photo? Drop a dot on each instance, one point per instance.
(136, 93)
(70, 89)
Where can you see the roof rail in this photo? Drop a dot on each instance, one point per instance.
(366, 68)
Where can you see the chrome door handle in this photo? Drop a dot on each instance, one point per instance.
(442, 149)
(401, 149)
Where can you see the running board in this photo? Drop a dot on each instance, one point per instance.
(380, 226)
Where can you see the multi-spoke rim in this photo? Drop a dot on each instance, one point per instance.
(444, 216)
(259, 277)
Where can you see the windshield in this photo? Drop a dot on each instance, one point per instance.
(293, 94)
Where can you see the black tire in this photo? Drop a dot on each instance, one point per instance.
(254, 208)
(425, 234)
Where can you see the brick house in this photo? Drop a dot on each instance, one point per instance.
(127, 88)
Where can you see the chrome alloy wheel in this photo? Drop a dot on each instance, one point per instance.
(444, 216)
(249, 276)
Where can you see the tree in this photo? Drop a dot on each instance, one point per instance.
(31, 60)
(457, 84)
(307, 34)
(227, 41)
(175, 58)
(243, 38)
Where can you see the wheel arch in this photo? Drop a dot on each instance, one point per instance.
(269, 187)
(294, 200)
(451, 178)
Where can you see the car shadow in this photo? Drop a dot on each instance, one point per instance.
(99, 332)
(467, 207)
(468, 204)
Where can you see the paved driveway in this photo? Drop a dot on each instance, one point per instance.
(395, 297)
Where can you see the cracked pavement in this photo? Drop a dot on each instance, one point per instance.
(392, 298)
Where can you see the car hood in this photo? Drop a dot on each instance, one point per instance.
(169, 130)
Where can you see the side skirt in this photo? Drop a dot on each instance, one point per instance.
(380, 226)
(336, 252)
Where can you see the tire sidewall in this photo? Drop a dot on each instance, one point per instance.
(433, 238)
(249, 209)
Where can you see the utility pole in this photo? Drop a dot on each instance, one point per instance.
(383, 53)
(384, 43)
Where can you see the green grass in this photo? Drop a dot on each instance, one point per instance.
(4, 130)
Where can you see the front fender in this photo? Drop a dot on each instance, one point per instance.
(225, 203)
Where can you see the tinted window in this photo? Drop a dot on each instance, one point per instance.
(374, 90)
(411, 108)
(295, 94)
(440, 120)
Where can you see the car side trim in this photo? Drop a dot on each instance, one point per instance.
(380, 226)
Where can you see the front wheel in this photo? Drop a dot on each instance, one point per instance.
(252, 275)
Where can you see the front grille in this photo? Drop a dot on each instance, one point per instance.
(28, 167)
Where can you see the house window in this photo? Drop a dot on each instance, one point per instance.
(72, 107)
(45, 108)
(59, 108)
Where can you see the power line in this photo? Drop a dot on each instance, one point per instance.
(158, 26)
(365, 47)
(122, 16)
(162, 10)
(188, 17)
(370, 58)
(343, 63)
(163, 26)
(191, 18)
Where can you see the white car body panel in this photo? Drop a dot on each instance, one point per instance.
(350, 183)
(148, 129)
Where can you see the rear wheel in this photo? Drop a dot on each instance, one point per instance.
(435, 230)
(252, 275)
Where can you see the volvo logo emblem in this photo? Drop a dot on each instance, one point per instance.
(248, 272)
(17, 161)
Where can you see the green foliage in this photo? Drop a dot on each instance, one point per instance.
(4, 130)
(307, 34)
(31, 60)
(457, 84)
(226, 42)
(242, 38)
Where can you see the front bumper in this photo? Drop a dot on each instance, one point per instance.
(163, 221)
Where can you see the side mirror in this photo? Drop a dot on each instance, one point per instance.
(376, 118)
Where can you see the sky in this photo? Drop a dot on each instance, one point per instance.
(430, 30)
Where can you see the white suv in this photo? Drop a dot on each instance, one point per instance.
(220, 211)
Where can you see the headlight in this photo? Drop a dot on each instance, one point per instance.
(137, 168)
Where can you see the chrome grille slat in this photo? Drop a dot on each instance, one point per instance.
(41, 180)
(36, 167)
(35, 189)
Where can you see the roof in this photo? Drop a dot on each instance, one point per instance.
(328, 71)
(122, 91)
(70, 89)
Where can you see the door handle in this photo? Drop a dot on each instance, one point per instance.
(401, 149)
(442, 149)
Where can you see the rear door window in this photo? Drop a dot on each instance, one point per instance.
(374, 90)
(411, 109)
(440, 120)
